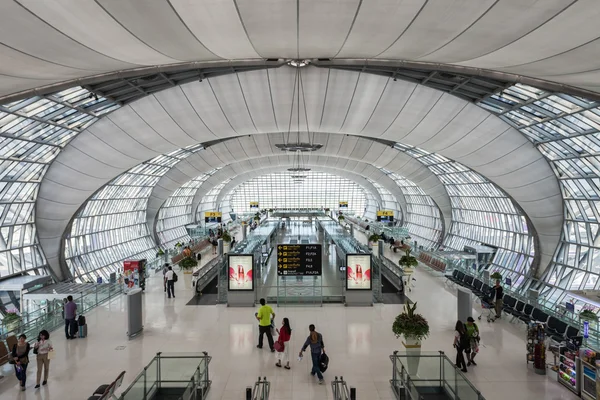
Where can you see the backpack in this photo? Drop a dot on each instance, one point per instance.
(465, 341)
(323, 362)
(174, 277)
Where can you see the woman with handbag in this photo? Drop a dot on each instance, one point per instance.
(283, 349)
(20, 355)
(43, 348)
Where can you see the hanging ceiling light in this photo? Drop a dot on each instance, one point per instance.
(289, 145)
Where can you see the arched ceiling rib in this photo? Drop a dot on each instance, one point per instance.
(65, 39)
(336, 101)
(350, 153)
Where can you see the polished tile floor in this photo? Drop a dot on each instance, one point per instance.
(358, 340)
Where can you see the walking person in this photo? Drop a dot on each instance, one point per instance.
(170, 279)
(42, 347)
(497, 294)
(70, 312)
(285, 334)
(20, 355)
(460, 344)
(264, 315)
(473, 334)
(317, 347)
(165, 269)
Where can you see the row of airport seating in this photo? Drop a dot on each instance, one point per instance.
(556, 329)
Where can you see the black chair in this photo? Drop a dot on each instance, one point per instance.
(509, 303)
(571, 332)
(526, 314)
(485, 291)
(459, 278)
(518, 310)
(554, 326)
(559, 331)
(468, 281)
(538, 315)
(453, 276)
(477, 285)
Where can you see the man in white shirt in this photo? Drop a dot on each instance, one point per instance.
(170, 283)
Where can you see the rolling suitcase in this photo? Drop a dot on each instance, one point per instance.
(82, 331)
(73, 328)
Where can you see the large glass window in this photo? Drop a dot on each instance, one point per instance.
(112, 227)
(32, 133)
(566, 129)
(317, 189)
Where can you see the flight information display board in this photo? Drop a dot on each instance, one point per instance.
(212, 216)
(385, 215)
(299, 260)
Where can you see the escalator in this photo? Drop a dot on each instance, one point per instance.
(390, 293)
(208, 296)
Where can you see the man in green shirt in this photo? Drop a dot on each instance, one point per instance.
(264, 315)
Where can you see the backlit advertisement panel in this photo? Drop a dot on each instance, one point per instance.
(241, 272)
(358, 272)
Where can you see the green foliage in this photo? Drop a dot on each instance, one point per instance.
(226, 237)
(496, 276)
(341, 218)
(160, 253)
(407, 260)
(374, 238)
(588, 315)
(188, 263)
(10, 317)
(411, 324)
(270, 210)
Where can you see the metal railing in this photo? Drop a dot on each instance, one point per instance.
(341, 391)
(207, 273)
(51, 317)
(178, 375)
(260, 391)
(414, 375)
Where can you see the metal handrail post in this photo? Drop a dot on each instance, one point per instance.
(145, 386)
(158, 374)
(441, 369)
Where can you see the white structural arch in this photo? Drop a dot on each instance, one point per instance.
(348, 103)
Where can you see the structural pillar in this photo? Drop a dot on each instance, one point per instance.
(244, 231)
(220, 247)
(352, 230)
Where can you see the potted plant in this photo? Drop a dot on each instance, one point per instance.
(496, 276)
(11, 321)
(187, 266)
(341, 218)
(414, 328)
(374, 243)
(226, 242)
(407, 261)
(588, 315)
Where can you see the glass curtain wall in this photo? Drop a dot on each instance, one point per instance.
(111, 227)
(422, 214)
(176, 213)
(566, 129)
(316, 190)
(482, 213)
(32, 133)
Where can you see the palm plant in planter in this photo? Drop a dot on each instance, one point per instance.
(341, 218)
(414, 327)
(374, 238)
(588, 315)
(408, 261)
(11, 321)
(496, 276)
(226, 237)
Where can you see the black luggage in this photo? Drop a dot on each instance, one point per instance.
(74, 328)
(81, 320)
(324, 362)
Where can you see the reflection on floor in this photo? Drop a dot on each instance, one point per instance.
(358, 341)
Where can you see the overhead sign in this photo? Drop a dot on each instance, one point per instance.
(299, 259)
(241, 272)
(385, 215)
(254, 204)
(358, 272)
(212, 216)
(343, 204)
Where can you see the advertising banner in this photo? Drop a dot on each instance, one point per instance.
(254, 204)
(131, 275)
(358, 272)
(343, 204)
(241, 274)
(212, 216)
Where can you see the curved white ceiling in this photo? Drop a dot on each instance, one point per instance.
(44, 42)
(349, 153)
(336, 101)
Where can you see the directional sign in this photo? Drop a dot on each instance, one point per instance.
(299, 259)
